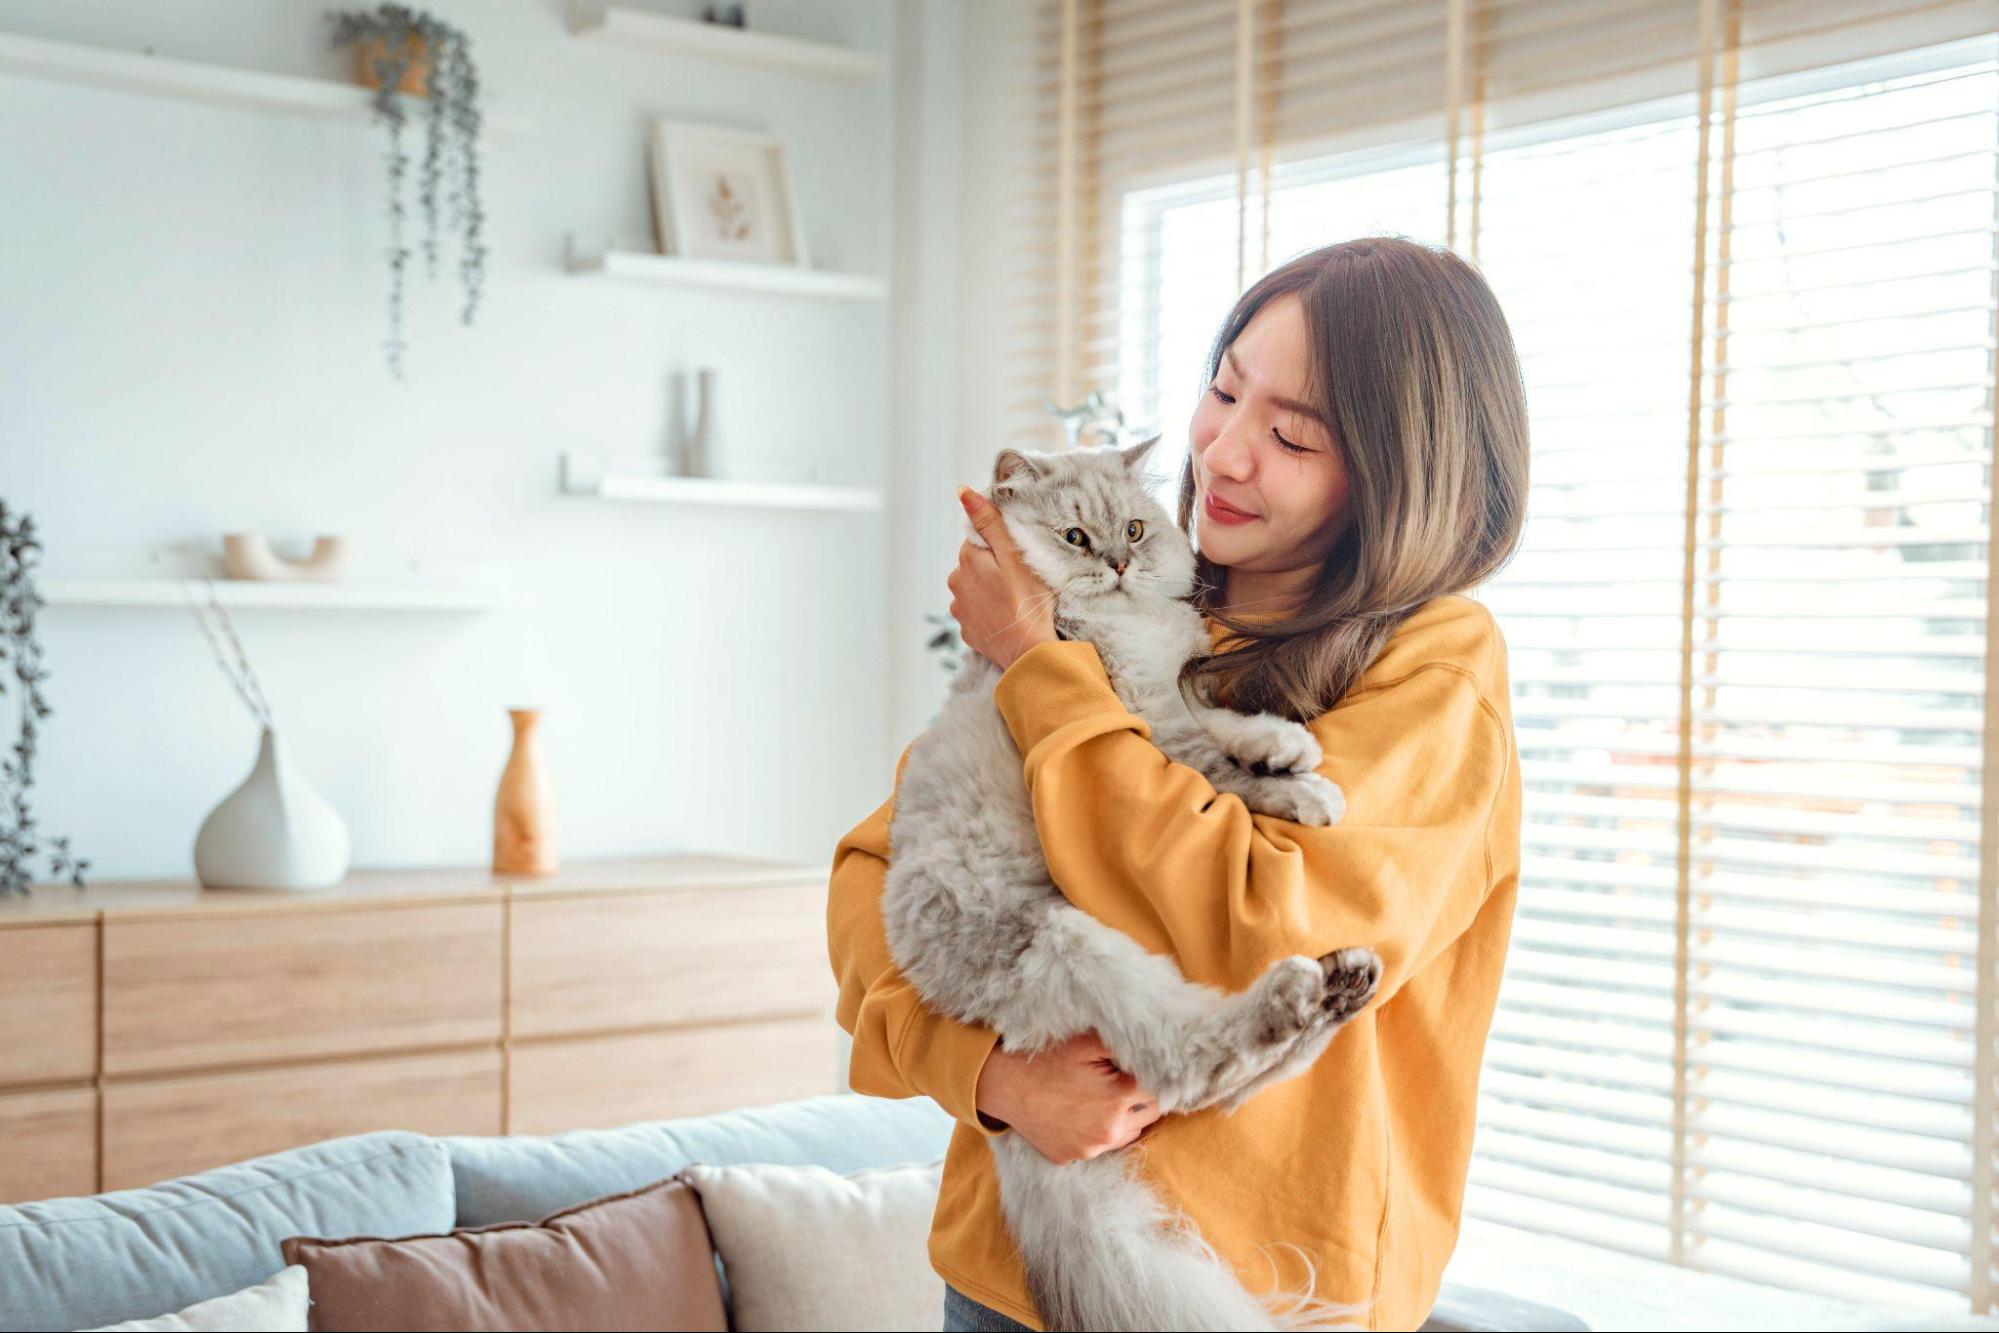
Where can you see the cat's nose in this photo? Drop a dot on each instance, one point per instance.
(1119, 565)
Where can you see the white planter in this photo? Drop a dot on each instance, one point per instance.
(274, 832)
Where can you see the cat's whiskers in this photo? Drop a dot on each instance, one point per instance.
(1030, 607)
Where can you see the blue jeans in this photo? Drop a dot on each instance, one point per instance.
(962, 1314)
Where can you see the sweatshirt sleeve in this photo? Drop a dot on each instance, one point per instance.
(902, 1048)
(1149, 847)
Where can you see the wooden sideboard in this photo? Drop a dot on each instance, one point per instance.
(154, 1029)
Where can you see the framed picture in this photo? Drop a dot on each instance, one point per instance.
(721, 193)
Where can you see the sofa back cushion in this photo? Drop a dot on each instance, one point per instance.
(512, 1179)
(134, 1254)
(640, 1260)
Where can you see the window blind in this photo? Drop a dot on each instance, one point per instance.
(1577, 1114)
(1837, 697)
(1747, 248)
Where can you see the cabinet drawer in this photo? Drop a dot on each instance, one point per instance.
(588, 964)
(160, 1128)
(48, 990)
(604, 1082)
(51, 1144)
(237, 989)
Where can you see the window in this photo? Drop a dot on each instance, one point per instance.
(1781, 1084)
(1748, 1022)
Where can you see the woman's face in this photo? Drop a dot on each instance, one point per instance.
(1260, 449)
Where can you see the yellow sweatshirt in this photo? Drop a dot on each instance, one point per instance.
(1360, 1161)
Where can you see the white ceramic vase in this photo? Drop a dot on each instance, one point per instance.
(274, 832)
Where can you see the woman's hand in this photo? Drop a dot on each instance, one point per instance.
(1002, 607)
(1070, 1102)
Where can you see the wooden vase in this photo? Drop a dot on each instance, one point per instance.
(524, 810)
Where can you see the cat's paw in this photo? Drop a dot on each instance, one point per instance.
(1306, 798)
(1280, 1025)
(1301, 994)
(1351, 977)
(1294, 989)
(1270, 746)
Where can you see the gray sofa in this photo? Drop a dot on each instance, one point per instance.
(134, 1254)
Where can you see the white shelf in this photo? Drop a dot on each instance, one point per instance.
(623, 25)
(133, 71)
(583, 474)
(258, 593)
(738, 494)
(777, 279)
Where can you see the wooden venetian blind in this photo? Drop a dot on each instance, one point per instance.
(1747, 249)
(1834, 1022)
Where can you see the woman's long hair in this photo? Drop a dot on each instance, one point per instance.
(1413, 364)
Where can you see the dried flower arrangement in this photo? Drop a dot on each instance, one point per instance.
(396, 40)
(20, 840)
(235, 663)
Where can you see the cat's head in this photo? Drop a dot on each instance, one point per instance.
(1086, 521)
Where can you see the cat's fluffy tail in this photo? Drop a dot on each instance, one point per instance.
(1102, 1252)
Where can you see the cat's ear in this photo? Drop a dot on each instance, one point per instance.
(1134, 454)
(1013, 469)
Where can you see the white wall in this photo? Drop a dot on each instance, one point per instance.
(962, 154)
(191, 301)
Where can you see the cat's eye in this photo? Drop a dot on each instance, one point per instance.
(1134, 530)
(1077, 537)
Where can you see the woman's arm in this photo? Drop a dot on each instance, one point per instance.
(1149, 847)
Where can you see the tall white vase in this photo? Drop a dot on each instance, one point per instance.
(273, 832)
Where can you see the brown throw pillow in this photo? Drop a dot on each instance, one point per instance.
(641, 1260)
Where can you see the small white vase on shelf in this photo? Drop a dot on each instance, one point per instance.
(699, 453)
(274, 832)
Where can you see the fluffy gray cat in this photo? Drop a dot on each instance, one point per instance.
(977, 926)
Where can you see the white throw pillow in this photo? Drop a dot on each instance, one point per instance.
(276, 1305)
(805, 1248)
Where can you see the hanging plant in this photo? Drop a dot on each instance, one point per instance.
(942, 640)
(408, 51)
(20, 840)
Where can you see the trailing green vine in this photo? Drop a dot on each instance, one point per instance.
(21, 840)
(452, 122)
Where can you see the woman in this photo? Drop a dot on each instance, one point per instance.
(1358, 459)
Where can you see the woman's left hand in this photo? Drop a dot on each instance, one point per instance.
(1002, 607)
